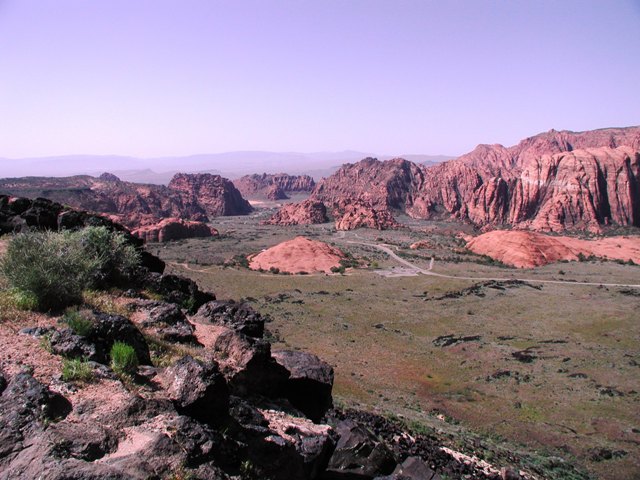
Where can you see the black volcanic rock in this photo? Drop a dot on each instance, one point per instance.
(237, 316)
(198, 390)
(359, 454)
(310, 382)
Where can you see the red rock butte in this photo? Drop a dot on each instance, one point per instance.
(298, 255)
(531, 249)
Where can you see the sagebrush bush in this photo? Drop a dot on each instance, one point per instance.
(50, 266)
(123, 358)
(117, 259)
(51, 269)
(80, 322)
(76, 370)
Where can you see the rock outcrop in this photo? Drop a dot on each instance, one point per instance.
(273, 187)
(274, 192)
(196, 197)
(214, 195)
(297, 256)
(358, 214)
(174, 229)
(554, 181)
(531, 249)
(304, 213)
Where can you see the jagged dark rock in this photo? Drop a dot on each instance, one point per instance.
(25, 406)
(198, 390)
(96, 345)
(310, 382)
(248, 365)
(108, 329)
(66, 343)
(413, 468)
(359, 454)
(168, 320)
(179, 290)
(237, 316)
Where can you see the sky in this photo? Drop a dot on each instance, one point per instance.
(152, 78)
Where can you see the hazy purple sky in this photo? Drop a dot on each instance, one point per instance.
(158, 77)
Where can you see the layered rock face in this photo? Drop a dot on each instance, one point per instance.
(303, 213)
(197, 197)
(554, 181)
(215, 195)
(173, 229)
(358, 214)
(273, 187)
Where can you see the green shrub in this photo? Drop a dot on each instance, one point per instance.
(79, 322)
(50, 270)
(24, 300)
(49, 266)
(116, 259)
(123, 358)
(76, 370)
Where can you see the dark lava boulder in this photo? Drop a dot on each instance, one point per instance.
(66, 343)
(248, 366)
(169, 322)
(281, 446)
(359, 454)
(179, 290)
(236, 316)
(413, 468)
(198, 390)
(108, 329)
(310, 382)
(26, 406)
(96, 344)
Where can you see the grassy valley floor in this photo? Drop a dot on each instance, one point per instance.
(553, 368)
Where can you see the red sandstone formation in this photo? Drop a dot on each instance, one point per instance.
(358, 214)
(267, 185)
(275, 192)
(550, 182)
(197, 197)
(303, 213)
(173, 229)
(298, 255)
(217, 196)
(531, 249)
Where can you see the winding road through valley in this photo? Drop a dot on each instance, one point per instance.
(386, 249)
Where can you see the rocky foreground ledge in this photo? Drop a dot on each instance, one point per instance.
(209, 400)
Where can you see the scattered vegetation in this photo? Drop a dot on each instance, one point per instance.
(240, 261)
(79, 321)
(76, 370)
(49, 270)
(124, 360)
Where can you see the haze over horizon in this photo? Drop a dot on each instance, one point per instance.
(158, 78)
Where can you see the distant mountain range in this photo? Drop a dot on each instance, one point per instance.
(160, 170)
